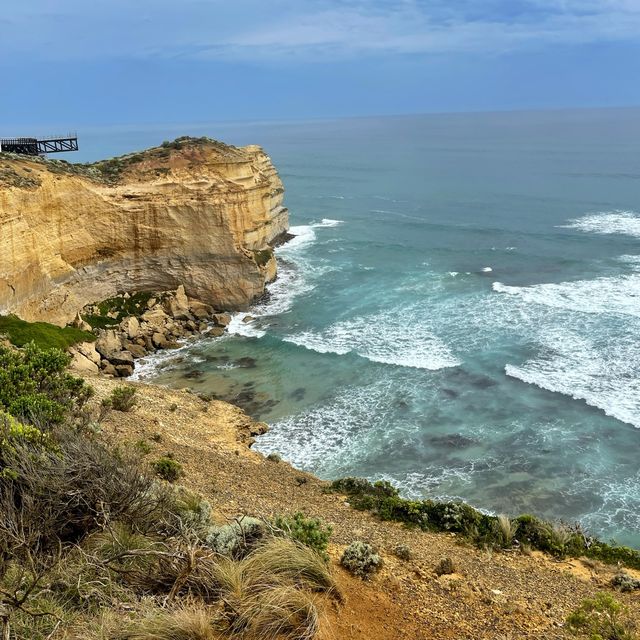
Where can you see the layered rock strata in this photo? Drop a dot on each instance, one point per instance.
(193, 212)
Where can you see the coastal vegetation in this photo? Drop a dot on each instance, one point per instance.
(602, 618)
(92, 545)
(45, 335)
(494, 532)
(109, 313)
(121, 399)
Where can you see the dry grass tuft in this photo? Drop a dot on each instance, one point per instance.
(505, 530)
(283, 612)
(286, 559)
(190, 622)
(185, 622)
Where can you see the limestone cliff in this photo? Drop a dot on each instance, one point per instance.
(193, 212)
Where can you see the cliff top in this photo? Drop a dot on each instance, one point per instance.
(184, 152)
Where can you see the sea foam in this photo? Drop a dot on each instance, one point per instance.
(604, 374)
(400, 339)
(295, 275)
(608, 222)
(616, 294)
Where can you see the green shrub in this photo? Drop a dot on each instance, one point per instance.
(601, 618)
(310, 531)
(527, 531)
(123, 398)
(35, 387)
(168, 469)
(143, 447)
(42, 334)
(361, 559)
(15, 435)
(113, 310)
(188, 510)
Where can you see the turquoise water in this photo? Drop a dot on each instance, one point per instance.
(458, 312)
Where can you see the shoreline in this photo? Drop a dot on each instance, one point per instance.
(488, 595)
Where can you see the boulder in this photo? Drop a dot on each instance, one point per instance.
(81, 364)
(121, 358)
(124, 370)
(131, 327)
(136, 350)
(107, 368)
(214, 332)
(223, 319)
(159, 340)
(108, 342)
(88, 350)
(200, 310)
(156, 317)
(178, 304)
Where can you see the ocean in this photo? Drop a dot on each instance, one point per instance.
(458, 312)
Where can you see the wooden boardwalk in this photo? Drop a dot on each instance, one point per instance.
(35, 147)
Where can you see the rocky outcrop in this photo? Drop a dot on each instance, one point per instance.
(193, 212)
(162, 320)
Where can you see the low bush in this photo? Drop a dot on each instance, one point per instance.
(601, 618)
(282, 612)
(625, 582)
(291, 561)
(123, 398)
(168, 468)
(36, 388)
(237, 539)
(186, 622)
(525, 531)
(309, 531)
(361, 559)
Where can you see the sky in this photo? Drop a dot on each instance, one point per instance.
(80, 63)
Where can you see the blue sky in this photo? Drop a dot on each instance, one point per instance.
(77, 63)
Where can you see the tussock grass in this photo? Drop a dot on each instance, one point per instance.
(505, 531)
(291, 560)
(187, 622)
(283, 612)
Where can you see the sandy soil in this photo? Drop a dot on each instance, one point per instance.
(498, 596)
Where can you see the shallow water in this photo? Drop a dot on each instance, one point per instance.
(458, 312)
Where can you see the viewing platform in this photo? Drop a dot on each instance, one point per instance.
(36, 147)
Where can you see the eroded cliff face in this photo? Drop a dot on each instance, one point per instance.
(197, 213)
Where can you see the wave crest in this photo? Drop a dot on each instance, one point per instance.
(608, 222)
